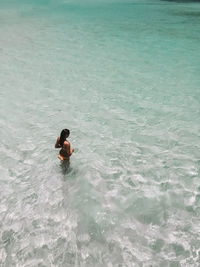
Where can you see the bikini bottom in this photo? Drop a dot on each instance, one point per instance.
(63, 158)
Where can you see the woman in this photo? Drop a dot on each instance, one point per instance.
(62, 143)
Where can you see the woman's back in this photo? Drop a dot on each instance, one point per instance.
(65, 150)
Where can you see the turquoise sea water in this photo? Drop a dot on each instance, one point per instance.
(123, 76)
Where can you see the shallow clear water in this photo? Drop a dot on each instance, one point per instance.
(124, 78)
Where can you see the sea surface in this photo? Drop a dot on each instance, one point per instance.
(124, 77)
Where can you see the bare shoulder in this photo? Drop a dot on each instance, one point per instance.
(66, 143)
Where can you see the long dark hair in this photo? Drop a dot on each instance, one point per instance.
(65, 133)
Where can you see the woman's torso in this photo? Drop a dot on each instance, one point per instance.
(64, 152)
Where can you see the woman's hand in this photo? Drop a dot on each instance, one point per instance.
(57, 145)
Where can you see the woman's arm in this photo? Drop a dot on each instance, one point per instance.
(72, 150)
(57, 145)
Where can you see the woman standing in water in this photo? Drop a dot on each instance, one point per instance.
(62, 143)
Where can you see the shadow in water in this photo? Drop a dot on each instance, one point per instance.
(65, 166)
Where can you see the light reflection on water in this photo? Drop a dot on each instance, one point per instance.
(127, 90)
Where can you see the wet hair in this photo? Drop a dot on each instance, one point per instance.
(65, 133)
